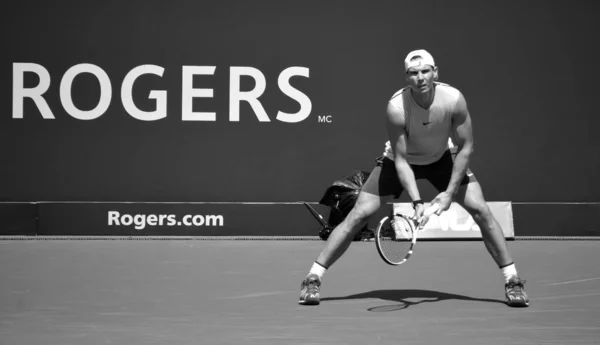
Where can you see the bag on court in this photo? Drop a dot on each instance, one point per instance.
(341, 197)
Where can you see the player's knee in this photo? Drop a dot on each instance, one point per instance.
(480, 213)
(360, 215)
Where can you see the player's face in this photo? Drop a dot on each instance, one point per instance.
(421, 78)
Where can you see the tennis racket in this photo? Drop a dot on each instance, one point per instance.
(396, 237)
(317, 216)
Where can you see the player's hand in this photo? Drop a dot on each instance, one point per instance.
(444, 199)
(418, 216)
(419, 209)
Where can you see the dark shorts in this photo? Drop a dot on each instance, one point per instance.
(383, 180)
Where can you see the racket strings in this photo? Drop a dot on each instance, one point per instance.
(402, 230)
(396, 239)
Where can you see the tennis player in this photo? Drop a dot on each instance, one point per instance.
(422, 119)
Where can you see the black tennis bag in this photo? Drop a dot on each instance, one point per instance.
(341, 197)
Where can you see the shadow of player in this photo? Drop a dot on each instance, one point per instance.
(402, 296)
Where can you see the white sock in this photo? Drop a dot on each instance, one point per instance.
(318, 270)
(509, 272)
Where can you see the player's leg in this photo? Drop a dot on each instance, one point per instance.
(375, 192)
(340, 238)
(337, 243)
(470, 197)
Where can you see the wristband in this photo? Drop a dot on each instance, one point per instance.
(416, 202)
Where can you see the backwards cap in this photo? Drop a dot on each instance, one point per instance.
(425, 59)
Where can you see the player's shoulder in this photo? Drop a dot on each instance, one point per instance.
(452, 98)
(400, 92)
(448, 90)
(397, 98)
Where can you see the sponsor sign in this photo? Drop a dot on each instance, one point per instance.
(37, 93)
(456, 222)
(175, 219)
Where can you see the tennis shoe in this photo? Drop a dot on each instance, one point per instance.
(515, 293)
(309, 290)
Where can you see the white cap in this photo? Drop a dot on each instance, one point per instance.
(425, 59)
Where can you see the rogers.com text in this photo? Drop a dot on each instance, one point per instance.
(140, 221)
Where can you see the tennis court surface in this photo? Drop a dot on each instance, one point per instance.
(175, 292)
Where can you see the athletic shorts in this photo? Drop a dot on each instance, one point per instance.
(383, 180)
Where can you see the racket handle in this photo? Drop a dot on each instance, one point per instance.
(431, 210)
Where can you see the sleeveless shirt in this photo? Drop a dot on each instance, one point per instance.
(428, 131)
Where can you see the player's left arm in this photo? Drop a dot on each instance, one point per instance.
(463, 135)
(463, 140)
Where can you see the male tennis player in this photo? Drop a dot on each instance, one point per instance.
(421, 119)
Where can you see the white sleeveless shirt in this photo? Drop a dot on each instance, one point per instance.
(428, 131)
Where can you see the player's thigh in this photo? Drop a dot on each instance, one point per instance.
(381, 186)
(470, 197)
(366, 206)
(440, 173)
(383, 181)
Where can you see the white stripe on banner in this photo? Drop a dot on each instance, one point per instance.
(456, 222)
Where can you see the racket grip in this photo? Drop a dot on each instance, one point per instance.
(431, 210)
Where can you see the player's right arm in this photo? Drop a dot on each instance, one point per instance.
(396, 127)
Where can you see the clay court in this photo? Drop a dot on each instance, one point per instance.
(169, 291)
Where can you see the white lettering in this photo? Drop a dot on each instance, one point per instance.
(126, 220)
(449, 220)
(189, 93)
(198, 220)
(105, 91)
(286, 88)
(140, 221)
(236, 95)
(212, 220)
(113, 218)
(151, 220)
(159, 96)
(35, 93)
(324, 119)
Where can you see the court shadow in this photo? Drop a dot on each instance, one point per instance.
(401, 297)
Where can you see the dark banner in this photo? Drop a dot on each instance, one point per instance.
(18, 218)
(177, 219)
(271, 101)
(554, 219)
(274, 219)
